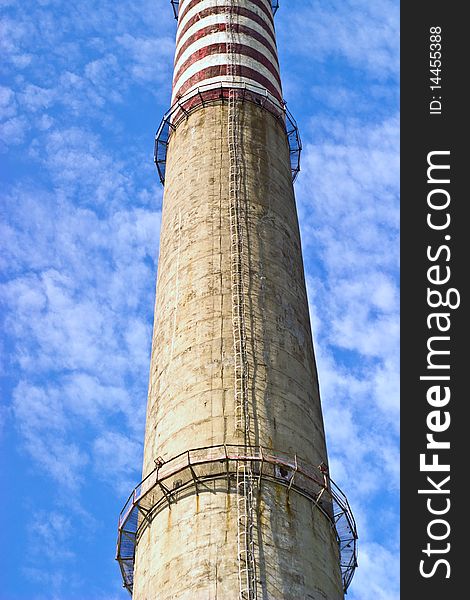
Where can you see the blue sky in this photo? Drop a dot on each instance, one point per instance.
(83, 88)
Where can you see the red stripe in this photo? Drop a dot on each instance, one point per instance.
(259, 3)
(216, 10)
(219, 27)
(221, 70)
(221, 48)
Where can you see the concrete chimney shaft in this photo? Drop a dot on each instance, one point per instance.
(232, 335)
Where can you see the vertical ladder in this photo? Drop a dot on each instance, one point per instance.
(242, 414)
(246, 546)
(245, 483)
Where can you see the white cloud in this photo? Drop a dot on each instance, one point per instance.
(151, 56)
(87, 398)
(377, 577)
(7, 103)
(77, 295)
(349, 216)
(366, 34)
(348, 202)
(116, 458)
(35, 98)
(13, 38)
(44, 426)
(38, 409)
(78, 162)
(4, 414)
(50, 532)
(386, 382)
(13, 131)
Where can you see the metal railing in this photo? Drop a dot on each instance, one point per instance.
(175, 5)
(220, 91)
(189, 469)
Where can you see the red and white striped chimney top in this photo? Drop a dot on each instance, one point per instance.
(225, 41)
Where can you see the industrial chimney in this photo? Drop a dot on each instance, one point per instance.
(236, 500)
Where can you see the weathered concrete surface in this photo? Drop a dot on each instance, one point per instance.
(190, 551)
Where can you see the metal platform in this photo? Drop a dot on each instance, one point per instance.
(163, 485)
(175, 5)
(217, 92)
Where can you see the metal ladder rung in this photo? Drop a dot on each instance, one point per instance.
(244, 486)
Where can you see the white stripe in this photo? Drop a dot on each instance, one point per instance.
(225, 79)
(216, 19)
(221, 59)
(221, 37)
(203, 4)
